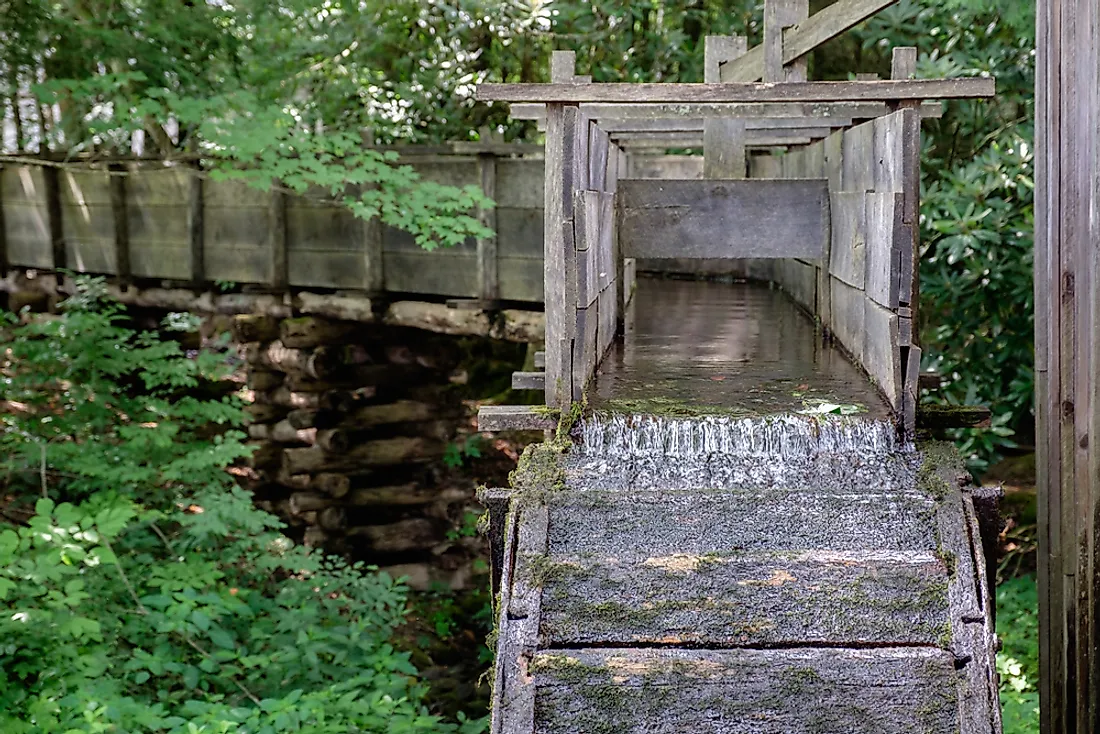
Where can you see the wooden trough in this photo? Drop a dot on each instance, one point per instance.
(651, 580)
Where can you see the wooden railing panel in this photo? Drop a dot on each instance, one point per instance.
(157, 203)
(26, 216)
(324, 243)
(87, 221)
(236, 220)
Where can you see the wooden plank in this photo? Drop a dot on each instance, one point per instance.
(608, 259)
(664, 691)
(157, 209)
(848, 248)
(885, 238)
(938, 417)
(195, 227)
(799, 280)
(724, 139)
(779, 15)
(559, 260)
(488, 284)
(822, 26)
(51, 180)
(832, 112)
(277, 238)
(88, 217)
(4, 262)
(881, 352)
(727, 601)
(721, 218)
(584, 350)
(121, 218)
(563, 66)
(528, 380)
(599, 145)
(889, 153)
(857, 165)
(911, 392)
(540, 360)
(689, 94)
(848, 309)
(903, 62)
(516, 418)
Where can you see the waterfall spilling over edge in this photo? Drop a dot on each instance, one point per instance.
(780, 436)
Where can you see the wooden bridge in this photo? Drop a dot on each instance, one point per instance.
(733, 527)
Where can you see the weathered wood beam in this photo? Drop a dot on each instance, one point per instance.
(834, 112)
(695, 124)
(488, 275)
(804, 37)
(691, 94)
(516, 418)
(779, 15)
(528, 380)
(540, 360)
(724, 139)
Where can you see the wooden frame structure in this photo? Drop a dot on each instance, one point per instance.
(835, 225)
(1067, 363)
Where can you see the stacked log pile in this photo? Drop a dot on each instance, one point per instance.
(351, 422)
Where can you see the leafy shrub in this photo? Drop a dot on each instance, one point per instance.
(1018, 660)
(145, 593)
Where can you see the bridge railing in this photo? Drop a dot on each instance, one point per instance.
(141, 219)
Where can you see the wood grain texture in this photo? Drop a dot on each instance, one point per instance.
(488, 272)
(559, 258)
(806, 36)
(848, 249)
(669, 219)
(885, 239)
(687, 94)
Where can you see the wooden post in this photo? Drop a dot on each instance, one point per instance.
(1067, 363)
(488, 279)
(778, 16)
(559, 261)
(4, 264)
(195, 228)
(52, 179)
(276, 237)
(117, 175)
(903, 65)
(723, 138)
(374, 271)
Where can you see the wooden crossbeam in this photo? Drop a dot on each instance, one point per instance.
(804, 37)
(763, 126)
(691, 94)
(818, 112)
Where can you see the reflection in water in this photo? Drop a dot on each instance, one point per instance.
(739, 349)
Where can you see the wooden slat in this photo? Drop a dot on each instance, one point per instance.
(51, 179)
(721, 218)
(528, 380)
(540, 360)
(117, 183)
(881, 355)
(903, 62)
(806, 36)
(487, 264)
(277, 239)
(848, 311)
(515, 418)
(724, 139)
(885, 238)
(195, 228)
(688, 94)
(848, 249)
(4, 262)
(779, 15)
(832, 112)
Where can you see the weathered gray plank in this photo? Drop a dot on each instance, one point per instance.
(520, 183)
(858, 167)
(558, 277)
(885, 239)
(515, 418)
(666, 522)
(584, 350)
(818, 598)
(446, 272)
(815, 691)
(723, 139)
(848, 243)
(196, 231)
(118, 186)
(89, 221)
(779, 15)
(51, 177)
(903, 62)
(805, 37)
(687, 94)
(540, 360)
(881, 355)
(528, 380)
(888, 166)
(799, 280)
(848, 315)
(607, 306)
(521, 279)
(830, 112)
(488, 283)
(721, 218)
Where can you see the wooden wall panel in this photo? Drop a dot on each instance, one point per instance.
(236, 223)
(159, 233)
(26, 216)
(87, 220)
(722, 219)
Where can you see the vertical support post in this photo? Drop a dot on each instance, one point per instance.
(903, 64)
(52, 179)
(778, 16)
(559, 261)
(276, 233)
(488, 271)
(723, 138)
(374, 273)
(117, 175)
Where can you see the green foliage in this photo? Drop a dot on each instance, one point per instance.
(1018, 661)
(144, 592)
(977, 214)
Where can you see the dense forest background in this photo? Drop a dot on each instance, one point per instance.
(157, 599)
